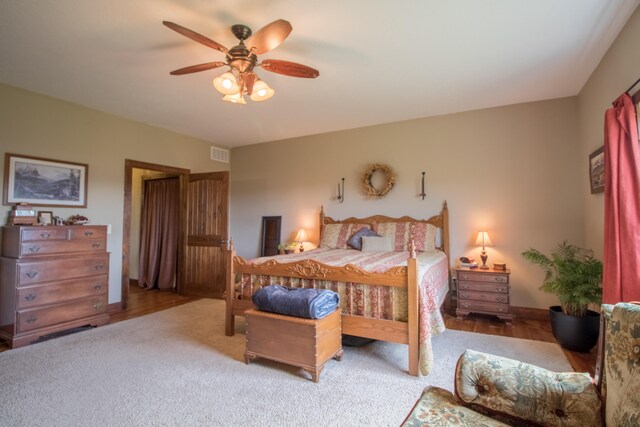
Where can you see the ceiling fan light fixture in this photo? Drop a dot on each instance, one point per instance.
(261, 91)
(226, 84)
(235, 98)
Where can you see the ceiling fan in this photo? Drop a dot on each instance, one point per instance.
(241, 79)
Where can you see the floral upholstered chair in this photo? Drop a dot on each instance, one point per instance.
(496, 391)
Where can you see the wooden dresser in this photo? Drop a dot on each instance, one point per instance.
(483, 291)
(52, 278)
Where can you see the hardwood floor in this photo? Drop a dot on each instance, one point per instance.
(142, 302)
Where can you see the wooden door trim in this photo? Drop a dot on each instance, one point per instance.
(183, 176)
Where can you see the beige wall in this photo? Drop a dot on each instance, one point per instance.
(514, 170)
(41, 126)
(619, 68)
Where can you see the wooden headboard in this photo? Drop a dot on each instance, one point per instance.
(440, 221)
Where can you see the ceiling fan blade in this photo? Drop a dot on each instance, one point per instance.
(197, 68)
(270, 36)
(195, 36)
(289, 68)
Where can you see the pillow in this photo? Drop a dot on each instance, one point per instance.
(400, 233)
(335, 236)
(356, 240)
(377, 244)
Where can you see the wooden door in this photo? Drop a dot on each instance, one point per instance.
(207, 234)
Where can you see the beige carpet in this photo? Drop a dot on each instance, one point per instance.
(176, 367)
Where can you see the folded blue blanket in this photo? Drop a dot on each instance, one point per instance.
(308, 303)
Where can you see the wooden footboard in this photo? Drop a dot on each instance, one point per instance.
(386, 330)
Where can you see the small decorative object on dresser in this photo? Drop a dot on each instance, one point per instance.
(484, 291)
(52, 278)
(22, 214)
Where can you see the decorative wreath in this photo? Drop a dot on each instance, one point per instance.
(369, 189)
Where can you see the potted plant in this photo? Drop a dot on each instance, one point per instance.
(575, 277)
(288, 248)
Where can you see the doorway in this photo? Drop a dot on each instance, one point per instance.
(134, 171)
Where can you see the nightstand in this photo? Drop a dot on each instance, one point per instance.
(483, 291)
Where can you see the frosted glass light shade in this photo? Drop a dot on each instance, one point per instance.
(261, 91)
(236, 98)
(226, 84)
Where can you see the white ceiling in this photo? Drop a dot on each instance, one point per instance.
(380, 61)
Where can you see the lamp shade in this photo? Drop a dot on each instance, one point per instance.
(235, 98)
(226, 84)
(301, 236)
(261, 91)
(483, 239)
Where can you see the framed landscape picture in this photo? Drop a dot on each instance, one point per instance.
(596, 170)
(44, 182)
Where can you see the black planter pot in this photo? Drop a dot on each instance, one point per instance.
(575, 333)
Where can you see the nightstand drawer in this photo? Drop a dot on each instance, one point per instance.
(484, 296)
(486, 307)
(483, 277)
(482, 287)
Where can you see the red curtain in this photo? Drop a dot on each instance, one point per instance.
(159, 234)
(621, 275)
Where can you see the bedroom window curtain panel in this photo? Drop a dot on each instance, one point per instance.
(159, 234)
(621, 263)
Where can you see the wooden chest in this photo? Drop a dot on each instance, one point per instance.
(52, 279)
(483, 291)
(307, 343)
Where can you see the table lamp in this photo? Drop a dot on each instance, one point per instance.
(483, 240)
(301, 237)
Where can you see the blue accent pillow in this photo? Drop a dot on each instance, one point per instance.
(355, 241)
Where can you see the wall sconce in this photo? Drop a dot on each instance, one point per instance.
(483, 240)
(301, 237)
(422, 194)
(341, 192)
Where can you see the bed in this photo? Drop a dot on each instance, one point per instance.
(392, 296)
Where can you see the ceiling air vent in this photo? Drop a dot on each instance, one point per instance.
(220, 154)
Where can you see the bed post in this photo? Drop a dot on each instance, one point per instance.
(412, 312)
(229, 320)
(321, 222)
(445, 231)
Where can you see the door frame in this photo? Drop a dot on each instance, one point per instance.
(183, 177)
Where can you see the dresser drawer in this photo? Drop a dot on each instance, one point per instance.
(32, 234)
(57, 292)
(483, 287)
(484, 296)
(483, 277)
(87, 232)
(61, 269)
(36, 248)
(29, 320)
(487, 307)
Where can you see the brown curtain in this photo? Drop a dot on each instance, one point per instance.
(159, 234)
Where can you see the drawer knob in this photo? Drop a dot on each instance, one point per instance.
(464, 295)
(45, 235)
(500, 309)
(96, 245)
(34, 249)
(465, 305)
(99, 267)
(32, 319)
(31, 297)
(464, 286)
(498, 279)
(88, 233)
(500, 299)
(97, 287)
(31, 274)
(97, 305)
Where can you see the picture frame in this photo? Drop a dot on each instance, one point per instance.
(596, 171)
(44, 182)
(45, 218)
